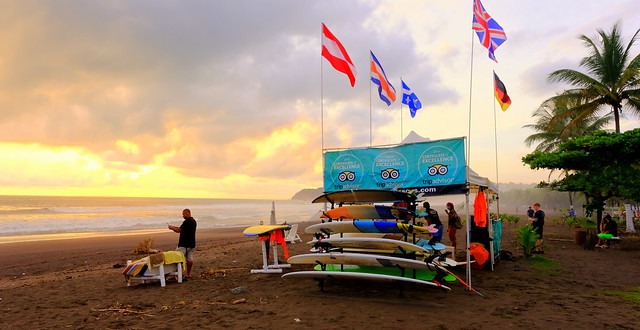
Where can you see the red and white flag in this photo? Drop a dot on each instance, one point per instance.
(335, 53)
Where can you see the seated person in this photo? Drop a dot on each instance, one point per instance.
(608, 230)
(432, 218)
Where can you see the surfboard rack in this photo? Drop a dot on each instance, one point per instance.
(275, 268)
(266, 234)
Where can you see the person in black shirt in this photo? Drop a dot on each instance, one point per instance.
(187, 240)
(537, 222)
(530, 212)
(608, 230)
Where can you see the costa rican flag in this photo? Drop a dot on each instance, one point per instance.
(385, 89)
(489, 32)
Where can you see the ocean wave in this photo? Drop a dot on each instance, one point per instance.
(41, 210)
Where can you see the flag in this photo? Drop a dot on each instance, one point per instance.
(489, 32)
(501, 93)
(385, 89)
(335, 53)
(409, 98)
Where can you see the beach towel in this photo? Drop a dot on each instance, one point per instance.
(480, 210)
(136, 268)
(156, 260)
(278, 236)
(478, 251)
(174, 257)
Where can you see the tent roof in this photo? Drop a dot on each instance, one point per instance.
(414, 137)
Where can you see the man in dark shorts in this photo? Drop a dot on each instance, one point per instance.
(537, 222)
(187, 240)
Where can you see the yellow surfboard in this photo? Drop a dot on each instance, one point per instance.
(262, 229)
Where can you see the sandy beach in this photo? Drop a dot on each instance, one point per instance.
(73, 284)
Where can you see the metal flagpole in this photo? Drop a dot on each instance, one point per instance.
(469, 168)
(370, 111)
(495, 137)
(401, 120)
(321, 97)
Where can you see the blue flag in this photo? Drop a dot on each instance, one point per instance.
(409, 98)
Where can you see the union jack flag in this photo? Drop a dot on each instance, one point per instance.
(489, 32)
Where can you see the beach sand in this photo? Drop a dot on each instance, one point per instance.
(73, 284)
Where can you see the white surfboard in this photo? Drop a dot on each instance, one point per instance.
(323, 275)
(369, 226)
(362, 260)
(386, 244)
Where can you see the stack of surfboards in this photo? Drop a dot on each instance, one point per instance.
(370, 257)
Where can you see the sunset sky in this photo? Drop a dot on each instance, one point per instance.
(222, 99)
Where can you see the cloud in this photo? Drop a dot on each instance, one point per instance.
(201, 92)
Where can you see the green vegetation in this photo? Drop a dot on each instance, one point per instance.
(525, 239)
(611, 81)
(598, 164)
(601, 166)
(510, 218)
(632, 296)
(545, 266)
(580, 222)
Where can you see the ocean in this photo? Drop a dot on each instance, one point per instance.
(28, 218)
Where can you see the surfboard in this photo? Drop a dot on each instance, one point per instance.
(368, 226)
(262, 229)
(364, 196)
(361, 259)
(376, 243)
(418, 274)
(323, 275)
(365, 212)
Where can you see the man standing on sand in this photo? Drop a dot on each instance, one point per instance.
(187, 240)
(537, 222)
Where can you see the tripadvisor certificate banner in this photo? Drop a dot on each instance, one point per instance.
(426, 168)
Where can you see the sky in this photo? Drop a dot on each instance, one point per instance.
(223, 99)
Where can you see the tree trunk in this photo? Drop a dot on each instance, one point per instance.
(616, 116)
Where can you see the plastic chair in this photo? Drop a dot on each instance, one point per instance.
(292, 234)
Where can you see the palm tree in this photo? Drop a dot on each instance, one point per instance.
(612, 79)
(556, 122)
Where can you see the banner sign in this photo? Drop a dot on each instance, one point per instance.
(427, 168)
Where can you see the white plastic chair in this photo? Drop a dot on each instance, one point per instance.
(292, 235)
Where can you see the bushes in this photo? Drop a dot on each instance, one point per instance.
(525, 239)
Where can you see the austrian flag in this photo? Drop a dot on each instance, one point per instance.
(335, 53)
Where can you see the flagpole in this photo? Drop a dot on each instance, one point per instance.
(468, 252)
(321, 99)
(401, 121)
(495, 138)
(370, 111)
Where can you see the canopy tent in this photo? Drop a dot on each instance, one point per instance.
(441, 170)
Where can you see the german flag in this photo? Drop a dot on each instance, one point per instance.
(501, 93)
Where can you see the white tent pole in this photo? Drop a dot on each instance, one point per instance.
(466, 196)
